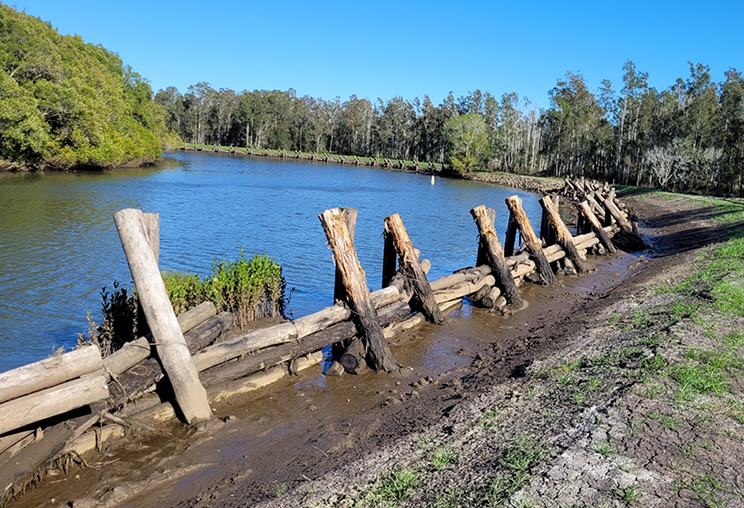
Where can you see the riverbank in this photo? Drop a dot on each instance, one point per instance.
(622, 381)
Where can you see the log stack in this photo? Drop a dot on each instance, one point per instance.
(363, 321)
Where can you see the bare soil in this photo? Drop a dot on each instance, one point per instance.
(564, 403)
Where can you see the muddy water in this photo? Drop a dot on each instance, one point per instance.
(59, 247)
(303, 426)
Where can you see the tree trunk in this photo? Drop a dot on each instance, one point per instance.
(53, 401)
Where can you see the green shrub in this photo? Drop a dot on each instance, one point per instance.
(249, 289)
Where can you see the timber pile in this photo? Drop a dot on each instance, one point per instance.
(189, 362)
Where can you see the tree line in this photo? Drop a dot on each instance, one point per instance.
(688, 137)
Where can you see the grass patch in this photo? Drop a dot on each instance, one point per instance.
(442, 458)
(397, 486)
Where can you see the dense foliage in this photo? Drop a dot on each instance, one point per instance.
(250, 289)
(65, 103)
(687, 137)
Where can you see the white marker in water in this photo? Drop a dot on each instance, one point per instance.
(432, 179)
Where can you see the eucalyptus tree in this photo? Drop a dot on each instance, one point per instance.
(467, 137)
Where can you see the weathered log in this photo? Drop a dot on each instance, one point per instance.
(494, 255)
(411, 268)
(562, 235)
(17, 473)
(532, 242)
(464, 289)
(152, 227)
(618, 215)
(353, 357)
(596, 208)
(142, 378)
(53, 401)
(483, 291)
(547, 233)
(489, 301)
(275, 355)
(469, 274)
(587, 213)
(350, 217)
(285, 332)
(357, 293)
(49, 372)
(138, 350)
(511, 236)
(171, 346)
(481, 256)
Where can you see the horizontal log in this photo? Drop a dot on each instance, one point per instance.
(141, 379)
(138, 350)
(49, 372)
(53, 401)
(284, 332)
(275, 355)
(464, 289)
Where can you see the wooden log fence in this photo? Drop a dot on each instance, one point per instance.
(195, 354)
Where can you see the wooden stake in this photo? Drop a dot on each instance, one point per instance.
(562, 235)
(494, 255)
(586, 211)
(171, 346)
(530, 239)
(350, 217)
(357, 293)
(389, 260)
(511, 236)
(152, 226)
(411, 269)
(481, 257)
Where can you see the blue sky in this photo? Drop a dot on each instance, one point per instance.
(386, 48)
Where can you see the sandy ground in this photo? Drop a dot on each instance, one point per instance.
(575, 401)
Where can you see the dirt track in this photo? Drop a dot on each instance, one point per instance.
(547, 407)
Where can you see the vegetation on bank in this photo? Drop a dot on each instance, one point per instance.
(250, 289)
(67, 104)
(688, 137)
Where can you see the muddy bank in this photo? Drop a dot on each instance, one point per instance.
(474, 396)
(526, 183)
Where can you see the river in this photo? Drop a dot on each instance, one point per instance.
(59, 246)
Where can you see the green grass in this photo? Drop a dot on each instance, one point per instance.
(397, 486)
(442, 458)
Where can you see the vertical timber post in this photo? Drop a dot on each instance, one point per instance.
(355, 287)
(493, 254)
(350, 217)
(562, 235)
(411, 269)
(531, 240)
(152, 225)
(511, 236)
(389, 259)
(481, 258)
(171, 347)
